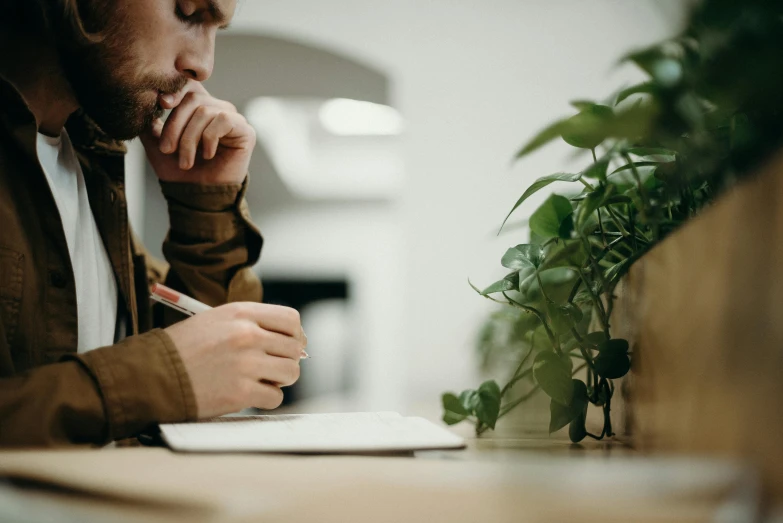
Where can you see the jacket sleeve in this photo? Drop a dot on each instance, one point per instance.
(116, 392)
(210, 249)
(106, 394)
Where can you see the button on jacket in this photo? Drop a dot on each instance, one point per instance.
(49, 394)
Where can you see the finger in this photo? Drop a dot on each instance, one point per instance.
(176, 122)
(281, 371)
(266, 396)
(156, 128)
(219, 127)
(281, 346)
(275, 318)
(202, 117)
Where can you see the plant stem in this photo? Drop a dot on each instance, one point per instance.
(596, 302)
(480, 429)
(506, 409)
(538, 315)
(541, 286)
(616, 220)
(584, 350)
(601, 227)
(517, 376)
(637, 177)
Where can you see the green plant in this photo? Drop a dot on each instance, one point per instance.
(660, 151)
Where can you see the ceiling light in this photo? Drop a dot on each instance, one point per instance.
(344, 117)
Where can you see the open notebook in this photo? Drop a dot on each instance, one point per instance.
(361, 432)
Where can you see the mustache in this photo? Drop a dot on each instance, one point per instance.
(167, 85)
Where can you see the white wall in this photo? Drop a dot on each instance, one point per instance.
(474, 79)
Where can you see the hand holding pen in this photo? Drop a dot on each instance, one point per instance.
(237, 355)
(187, 305)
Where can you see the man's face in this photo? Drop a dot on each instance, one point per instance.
(151, 47)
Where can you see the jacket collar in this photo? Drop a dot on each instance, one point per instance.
(84, 133)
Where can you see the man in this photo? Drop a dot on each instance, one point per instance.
(84, 359)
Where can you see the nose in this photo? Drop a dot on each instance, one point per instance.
(197, 58)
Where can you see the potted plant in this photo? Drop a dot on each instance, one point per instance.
(659, 152)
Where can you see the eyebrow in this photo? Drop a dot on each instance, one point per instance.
(217, 14)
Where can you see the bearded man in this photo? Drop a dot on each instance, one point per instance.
(84, 358)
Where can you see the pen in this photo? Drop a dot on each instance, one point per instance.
(185, 304)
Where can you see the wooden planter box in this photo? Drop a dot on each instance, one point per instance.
(704, 313)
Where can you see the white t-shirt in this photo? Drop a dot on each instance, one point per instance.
(96, 288)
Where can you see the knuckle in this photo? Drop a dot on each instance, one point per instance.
(244, 334)
(209, 134)
(293, 316)
(240, 309)
(202, 111)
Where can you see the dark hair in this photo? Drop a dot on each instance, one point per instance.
(49, 16)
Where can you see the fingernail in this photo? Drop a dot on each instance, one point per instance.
(165, 146)
(184, 164)
(168, 99)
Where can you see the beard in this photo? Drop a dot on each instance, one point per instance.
(104, 79)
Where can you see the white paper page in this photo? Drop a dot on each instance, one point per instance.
(352, 432)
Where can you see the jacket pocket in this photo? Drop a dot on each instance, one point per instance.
(11, 272)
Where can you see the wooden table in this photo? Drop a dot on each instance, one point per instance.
(500, 479)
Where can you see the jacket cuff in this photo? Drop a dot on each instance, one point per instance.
(207, 212)
(143, 381)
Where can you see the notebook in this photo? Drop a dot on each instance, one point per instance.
(360, 432)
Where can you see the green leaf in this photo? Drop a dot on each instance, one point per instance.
(553, 375)
(577, 431)
(661, 63)
(525, 256)
(592, 126)
(509, 283)
(617, 345)
(548, 218)
(488, 406)
(597, 170)
(574, 312)
(583, 296)
(617, 271)
(588, 128)
(566, 227)
(469, 400)
(616, 199)
(559, 319)
(453, 411)
(630, 166)
(563, 317)
(542, 138)
(562, 415)
(582, 104)
(644, 88)
(537, 186)
(596, 338)
(588, 206)
(566, 254)
(613, 361)
(653, 151)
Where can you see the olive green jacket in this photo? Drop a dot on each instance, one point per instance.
(49, 394)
